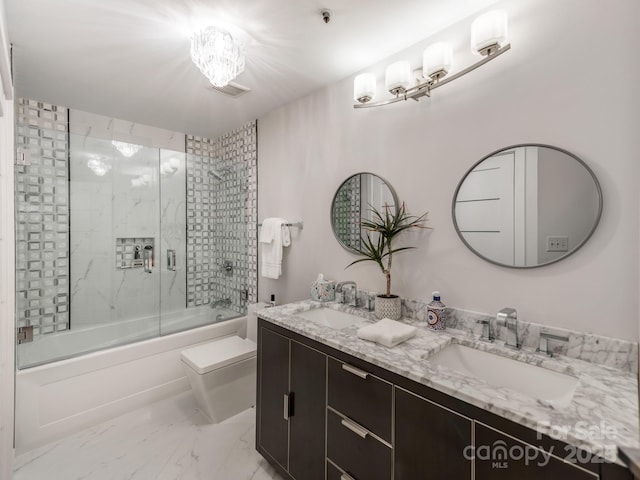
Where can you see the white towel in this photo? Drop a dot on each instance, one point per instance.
(387, 332)
(274, 235)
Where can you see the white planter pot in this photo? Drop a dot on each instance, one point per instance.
(388, 307)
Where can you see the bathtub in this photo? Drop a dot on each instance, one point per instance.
(56, 399)
(82, 339)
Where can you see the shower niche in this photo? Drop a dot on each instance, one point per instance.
(135, 253)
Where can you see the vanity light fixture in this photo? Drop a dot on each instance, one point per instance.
(364, 87)
(217, 54)
(397, 77)
(126, 149)
(488, 39)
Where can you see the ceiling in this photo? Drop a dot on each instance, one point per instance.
(129, 59)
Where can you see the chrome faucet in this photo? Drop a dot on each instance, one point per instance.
(509, 317)
(487, 333)
(545, 336)
(223, 302)
(340, 290)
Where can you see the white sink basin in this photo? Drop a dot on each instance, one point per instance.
(536, 382)
(330, 318)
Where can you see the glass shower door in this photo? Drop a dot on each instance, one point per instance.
(208, 234)
(115, 231)
(102, 205)
(172, 248)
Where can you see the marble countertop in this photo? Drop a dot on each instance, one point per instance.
(602, 415)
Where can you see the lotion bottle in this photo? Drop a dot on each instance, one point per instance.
(437, 313)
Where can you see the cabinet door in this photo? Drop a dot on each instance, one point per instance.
(430, 440)
(273, 385)
(500, 457)
(307, 421)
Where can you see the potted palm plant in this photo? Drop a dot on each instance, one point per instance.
(381, 229)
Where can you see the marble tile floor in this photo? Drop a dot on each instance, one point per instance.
(167, 440)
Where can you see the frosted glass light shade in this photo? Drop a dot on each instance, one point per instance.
(217, 54)
(437, 60)
(398, 77)
(364, 87)
(489, 31)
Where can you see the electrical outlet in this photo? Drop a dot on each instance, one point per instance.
(558, 243)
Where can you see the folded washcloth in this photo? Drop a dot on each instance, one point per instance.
(387, 332)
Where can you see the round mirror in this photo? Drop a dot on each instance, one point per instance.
(527, 206)
(352, 204)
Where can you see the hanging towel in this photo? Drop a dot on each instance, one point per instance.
(387, 332)
(274, 235)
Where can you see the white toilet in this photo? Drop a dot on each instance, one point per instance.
(222, 373)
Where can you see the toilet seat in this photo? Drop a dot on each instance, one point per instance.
(218, 354)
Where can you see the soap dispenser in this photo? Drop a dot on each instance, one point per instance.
(437, 313)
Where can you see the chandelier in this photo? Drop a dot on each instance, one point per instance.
(126, 149)
(217, 54)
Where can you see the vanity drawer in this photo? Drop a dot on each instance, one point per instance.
(360, 396)
(358, 453)
(334, 473)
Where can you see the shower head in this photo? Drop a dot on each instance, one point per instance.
(214, 174)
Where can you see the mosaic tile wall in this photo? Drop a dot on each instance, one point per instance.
(346, 212)
(222, 218)
(42, 214)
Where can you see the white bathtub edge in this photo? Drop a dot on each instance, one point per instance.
(61, 398)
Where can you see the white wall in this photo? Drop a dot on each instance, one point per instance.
(7, 262)
(570, 80)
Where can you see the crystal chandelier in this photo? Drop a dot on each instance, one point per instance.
(126, 149)
(217, 54)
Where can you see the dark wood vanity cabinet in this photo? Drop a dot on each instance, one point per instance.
(430, 440)
(290, 407)
(377, 425)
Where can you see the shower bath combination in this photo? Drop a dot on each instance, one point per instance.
(88, 291)
(129, 250)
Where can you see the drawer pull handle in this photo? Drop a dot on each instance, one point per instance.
(355, 371)
(286, 406)
(357, 429)
(345, 476)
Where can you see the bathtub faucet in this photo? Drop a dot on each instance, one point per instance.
(223, 302)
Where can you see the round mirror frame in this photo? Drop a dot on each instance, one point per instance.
(571, 252)
(333, 201)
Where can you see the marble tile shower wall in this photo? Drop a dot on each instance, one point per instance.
(42, 214)
(222, 218)
(113, 206)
